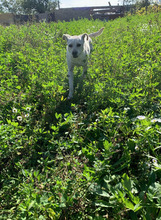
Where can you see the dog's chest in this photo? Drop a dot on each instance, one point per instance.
(79, 61)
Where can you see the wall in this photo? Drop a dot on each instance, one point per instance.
(6, 19)
(68, 14)
(65, 14)
(101, 12)
(9, 18)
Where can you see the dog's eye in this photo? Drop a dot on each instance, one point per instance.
(70, 45)
(78, 45)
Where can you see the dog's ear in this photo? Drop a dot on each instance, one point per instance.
(66, 37)
(85, 36)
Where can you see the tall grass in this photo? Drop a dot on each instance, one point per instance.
(97, 156)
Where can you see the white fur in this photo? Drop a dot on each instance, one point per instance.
(78, 50)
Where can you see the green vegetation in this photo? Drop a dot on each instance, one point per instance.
(151, 8)
(97, 156)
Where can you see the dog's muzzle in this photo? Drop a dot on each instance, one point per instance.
(75, 54)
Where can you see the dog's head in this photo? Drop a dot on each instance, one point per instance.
(75, 44)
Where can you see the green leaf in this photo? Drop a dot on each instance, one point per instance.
(52, 214)
(128, 204)
(126, 182)
(31, 205)
(18, 87)
(137, 207)
(102, 204)
(152, 178)
(102, 193)
(107, 145)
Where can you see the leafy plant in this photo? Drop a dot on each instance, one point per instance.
(97, 156)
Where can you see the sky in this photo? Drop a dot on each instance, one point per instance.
(86, 3)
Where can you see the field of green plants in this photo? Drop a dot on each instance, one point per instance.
(97, 156)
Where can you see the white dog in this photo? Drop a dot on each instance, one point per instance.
(78, 49)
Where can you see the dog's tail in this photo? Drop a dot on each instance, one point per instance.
(96, 33)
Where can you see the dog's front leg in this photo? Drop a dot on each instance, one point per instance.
(82, 78)
(70, 76)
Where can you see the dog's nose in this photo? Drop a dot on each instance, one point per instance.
(75, 54)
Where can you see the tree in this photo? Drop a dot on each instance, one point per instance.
(40, 6)
(142, 3)
(13, 6)
(136, 5)
(28, 6)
